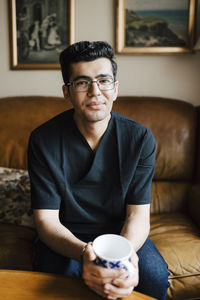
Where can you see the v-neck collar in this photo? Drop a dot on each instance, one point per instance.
(102, 138)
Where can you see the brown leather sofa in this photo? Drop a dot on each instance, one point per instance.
(175, 211)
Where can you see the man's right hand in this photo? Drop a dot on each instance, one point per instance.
(99, 279)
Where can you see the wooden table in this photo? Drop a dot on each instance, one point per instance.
(26, 285)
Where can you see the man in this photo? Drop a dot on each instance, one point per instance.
(91, 173)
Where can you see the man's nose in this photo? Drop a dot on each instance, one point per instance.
(94, 88)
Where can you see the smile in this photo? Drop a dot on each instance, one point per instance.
(96, 105)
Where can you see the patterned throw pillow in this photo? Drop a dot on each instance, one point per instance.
(15, 204)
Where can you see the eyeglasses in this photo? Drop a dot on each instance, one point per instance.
(83, 85)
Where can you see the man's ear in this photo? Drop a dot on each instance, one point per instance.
(116, 90)
(65, 91)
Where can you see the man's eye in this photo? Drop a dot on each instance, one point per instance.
(105, 81)
(82, 83)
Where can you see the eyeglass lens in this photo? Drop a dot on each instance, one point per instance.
(82, 85)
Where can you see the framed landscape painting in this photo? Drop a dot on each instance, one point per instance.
(40, 30)
(155, 26)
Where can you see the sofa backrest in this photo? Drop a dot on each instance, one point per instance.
(173, 125)
(18, 117)
(172, 122)
(197, 174)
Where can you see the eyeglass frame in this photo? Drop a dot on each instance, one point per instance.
(89, 84)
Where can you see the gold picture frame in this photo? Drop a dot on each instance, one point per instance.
(39, 31)
(137, 22)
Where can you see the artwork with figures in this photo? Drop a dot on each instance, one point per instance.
(42, 30)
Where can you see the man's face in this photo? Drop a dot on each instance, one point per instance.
(93, 105)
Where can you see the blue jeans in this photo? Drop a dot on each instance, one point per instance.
(153, 270)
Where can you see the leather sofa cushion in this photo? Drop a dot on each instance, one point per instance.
(169, 196)
(180, 248)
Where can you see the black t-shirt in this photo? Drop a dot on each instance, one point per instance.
(91, 189)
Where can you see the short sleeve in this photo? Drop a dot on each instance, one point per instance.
(140, 188)
(44, 192)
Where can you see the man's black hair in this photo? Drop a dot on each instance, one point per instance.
(85, 51)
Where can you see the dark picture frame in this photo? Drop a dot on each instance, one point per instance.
(155, 27)
(39, 31)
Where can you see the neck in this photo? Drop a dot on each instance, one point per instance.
(92, 131)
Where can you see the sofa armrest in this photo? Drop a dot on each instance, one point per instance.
(194, 203)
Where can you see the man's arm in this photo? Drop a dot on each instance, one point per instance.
(136, 228)
(55, 235)
(137, 224)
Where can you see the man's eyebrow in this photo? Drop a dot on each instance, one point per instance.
(89, 78)
(104, 75)
(81, 77)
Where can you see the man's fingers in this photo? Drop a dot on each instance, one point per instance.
(135, 259)
(89, 277)
(126, 282)
(100, 275)
(116, 292)
(89, 253)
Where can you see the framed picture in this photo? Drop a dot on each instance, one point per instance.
(40, 30)
(155, 27)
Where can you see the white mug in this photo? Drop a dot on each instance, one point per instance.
(113, 252)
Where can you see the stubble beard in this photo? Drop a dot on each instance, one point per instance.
(96, 116)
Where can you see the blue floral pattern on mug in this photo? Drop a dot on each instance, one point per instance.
(101, 262)
(109, 264)
(115, 265)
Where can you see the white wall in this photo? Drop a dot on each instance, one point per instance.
(173, 76)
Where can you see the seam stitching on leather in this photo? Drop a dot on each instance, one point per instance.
(183, 276)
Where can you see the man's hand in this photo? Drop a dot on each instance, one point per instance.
(125, 284)
(109, 283)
